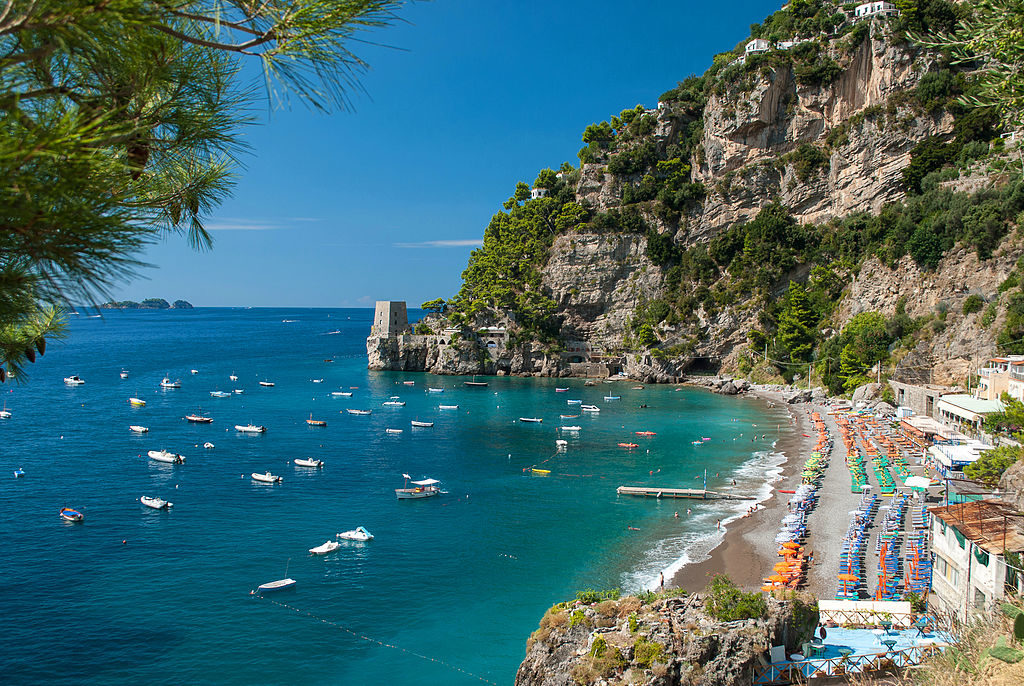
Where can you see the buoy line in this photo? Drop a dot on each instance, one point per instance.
(374, 640)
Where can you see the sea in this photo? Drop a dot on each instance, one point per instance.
(448, 590)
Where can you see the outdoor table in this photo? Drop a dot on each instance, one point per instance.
(888, 643)
(796, 657)
(845, 653)
(878, 634)
(886, 625)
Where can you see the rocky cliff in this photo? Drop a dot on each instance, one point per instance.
(666, 642)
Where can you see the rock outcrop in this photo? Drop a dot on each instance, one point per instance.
(668, 642)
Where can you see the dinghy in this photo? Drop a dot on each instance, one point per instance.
(136, 402)
(250, 429)
(328, 546)
(167, 383)
(309, 462)
(155, 503)
(70, 515)
(166, 456)
(279, 585)
(447, 407)
(393, 431)
(267, 478)
(531, 420)
(590, 408)
(208, 445)
(359, 412)
(137, 429)
(425, 425)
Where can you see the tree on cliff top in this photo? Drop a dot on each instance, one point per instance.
(119, 123)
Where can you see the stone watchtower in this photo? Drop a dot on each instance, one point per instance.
(390, 318)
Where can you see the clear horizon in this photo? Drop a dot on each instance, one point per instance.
(386, 202)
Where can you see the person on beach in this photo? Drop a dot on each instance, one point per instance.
(661, 582)
(719, 524)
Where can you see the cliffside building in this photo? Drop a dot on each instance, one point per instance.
(390, 318)
(538, 193)
(994, 378)
(875, 9)
(969, 542)
(757, 45)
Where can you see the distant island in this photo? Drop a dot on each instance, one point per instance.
(147, 304)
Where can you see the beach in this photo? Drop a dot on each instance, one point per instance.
(748, 549)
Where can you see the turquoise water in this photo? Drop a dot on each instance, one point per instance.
(451, 583)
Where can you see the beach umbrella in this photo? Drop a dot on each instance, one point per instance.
(847, 577)
(777, 578)
(918, 482)
(791, 545)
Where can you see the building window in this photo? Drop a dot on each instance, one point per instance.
(947, 571)
(979, 598)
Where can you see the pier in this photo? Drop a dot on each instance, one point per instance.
(696, 493)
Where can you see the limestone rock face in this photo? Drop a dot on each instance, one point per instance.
(1012, 482)
(670, 642)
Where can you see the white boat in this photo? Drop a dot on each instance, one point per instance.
(136, 402)
(5, 413)
(233, 377)
(447, 407)
(425, 425)
(562, 390)
(424, 488)
(167, 383)
(208, 445)
(342, 394)
(561, 442)
(268, 384)
(220, 394)
(155, 503)
(531, 420)
(279, 585)
(327, 547)
(590, 408)
(356, 534)
(194, 371)
(166, 456)
(138, 429)
(570, 429)
(309, 462)
(573, 402)
(435, 390)
(317, 380)
(395, 403)
(267, 478)
(73, 380)
(359, 412)
(250, 428)
(239, 391)
(124, 373)
(393, 431)
(613, 397)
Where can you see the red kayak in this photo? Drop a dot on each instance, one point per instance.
(782, 491)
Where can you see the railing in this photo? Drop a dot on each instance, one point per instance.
(866, 617)
(801, 670)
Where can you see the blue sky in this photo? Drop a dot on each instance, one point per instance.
(387, 201)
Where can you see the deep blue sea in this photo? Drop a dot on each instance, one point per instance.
(451, 583)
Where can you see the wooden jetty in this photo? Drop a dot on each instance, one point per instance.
(697, 493)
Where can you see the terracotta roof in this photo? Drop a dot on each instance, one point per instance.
(993, 525)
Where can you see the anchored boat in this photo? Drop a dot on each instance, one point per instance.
(155, 503)
(267, 478)
(166, 456)
(356, 534)
(425, 488)
(250, 428)
(309, 462)
(70, 515)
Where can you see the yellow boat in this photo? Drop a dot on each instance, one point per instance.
(541, 471)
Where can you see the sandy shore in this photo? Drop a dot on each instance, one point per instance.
(748, 549)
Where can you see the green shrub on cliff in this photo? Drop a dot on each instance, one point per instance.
(727, 603)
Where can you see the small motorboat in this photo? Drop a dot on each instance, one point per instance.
(531, 420)
(155, 503)
(562, 390)
(166, 456)
(393, 431)
(645, 433)
(5, 413)
(447, 407)
(208, 445)
(317, 380)
(238, 391)
(573, 402)
(73, 380)
(124, 373)
(70, 515)
(409, 383)
(342, 394)
(357, 534)
(541, 472)
(590, 408)
(250, 428)
(138, 429)
(266, 478)
(194, 371)
(613, 397)
(220, 394)
(568, 416)
(18, 473)
(279, 585)
(435, 390)
(638, 388)
(315, 422)
(167, 383)
(422, 425)
(197, 418)
(425, 488)
(394, 403)
(475, 383)
(629, 445)
(570, 429)
(309, 462)
(359, 412)
(266, 384)
(588, 382)
(328, 546)
(561, 442)
(136, 402)
(233, 377)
